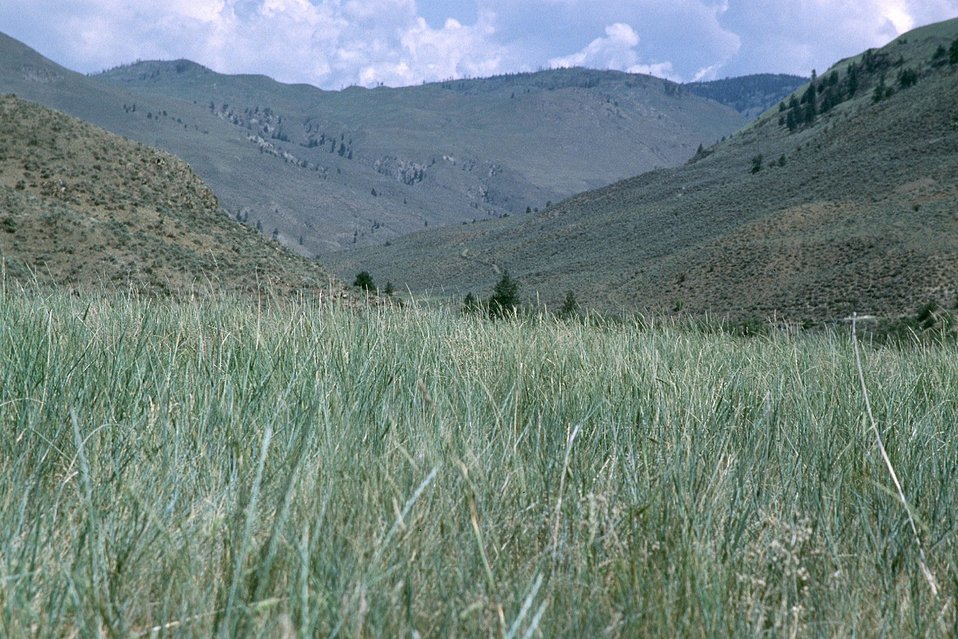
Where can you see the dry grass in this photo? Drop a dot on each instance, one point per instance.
(86, 209)
(219, 469)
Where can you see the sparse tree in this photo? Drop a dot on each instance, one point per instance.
(505, 297)
(570, 307)
(852, 79)
(907, 78)
(365, 282)
(791, 122)
(881, 90)
(757, 163)
(810, 98)
(389, 290)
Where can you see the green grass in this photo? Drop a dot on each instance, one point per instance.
(218, 469)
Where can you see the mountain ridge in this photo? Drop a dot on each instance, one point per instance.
(323, 171)
(851, 211)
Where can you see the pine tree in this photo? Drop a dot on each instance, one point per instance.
(791, 122)
(365, 282)
(505, 297)
(570, 308)
(810, 99)
(852, 80)
(907, 78)
(881, 91)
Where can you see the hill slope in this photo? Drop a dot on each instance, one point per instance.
(408, 158)
(325, 170)
(83, 208)
(750, 95)
(852, 212)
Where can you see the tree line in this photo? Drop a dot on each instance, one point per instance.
(825, 93)
(505, 302)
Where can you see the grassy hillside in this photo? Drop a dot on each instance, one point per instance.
(86, 209)
(328, 170)
(854, 211)
(307, 471)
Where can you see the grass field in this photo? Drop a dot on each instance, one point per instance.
(223, 469)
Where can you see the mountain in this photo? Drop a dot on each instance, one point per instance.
(381, 163)
(841, 200)
(327, 170)
(750, 95)
(86, 209)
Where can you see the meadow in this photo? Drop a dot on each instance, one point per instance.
(276, 469)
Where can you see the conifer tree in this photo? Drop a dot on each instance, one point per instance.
(505, 297)
(570, 308)
(365, 282)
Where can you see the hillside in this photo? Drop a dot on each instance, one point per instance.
(86, 209)
(750, 95)
(854, 211)
(323, 170)
(404, 159)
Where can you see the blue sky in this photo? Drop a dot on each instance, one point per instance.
(337, 43)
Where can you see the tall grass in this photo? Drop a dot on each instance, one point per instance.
(226, 469)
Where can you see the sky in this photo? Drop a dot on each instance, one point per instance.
(337, 43)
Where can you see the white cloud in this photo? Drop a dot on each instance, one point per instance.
(801, 36)
(452, 51)
(334, 43)
(617, 50)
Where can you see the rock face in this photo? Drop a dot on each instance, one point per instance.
(405, 171)
(83, 208)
